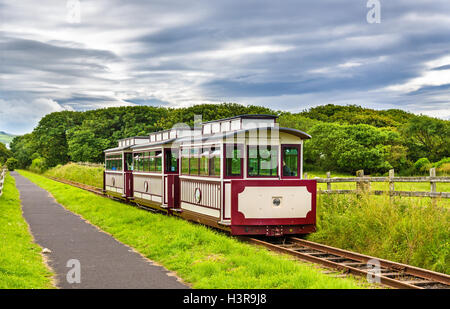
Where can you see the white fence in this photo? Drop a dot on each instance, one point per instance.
(2, 179)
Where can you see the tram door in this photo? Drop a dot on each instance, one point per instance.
(171, 179)
(128, 173)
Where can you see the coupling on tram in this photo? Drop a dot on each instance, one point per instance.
(242, 174)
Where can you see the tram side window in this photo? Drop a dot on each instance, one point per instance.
(185, 161)
(204, 162)
(198, 161)
(158, 161)
(290, 161)
(194, 161)
(233, 161)
(114, 162)
(262, 161)
(146, 162)
(171, 161)
(214, 162)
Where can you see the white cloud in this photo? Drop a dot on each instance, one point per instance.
(21, 115)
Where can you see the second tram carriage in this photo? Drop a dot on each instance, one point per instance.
(241, 174)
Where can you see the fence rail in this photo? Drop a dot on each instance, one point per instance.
(2, 180)
(363, 184)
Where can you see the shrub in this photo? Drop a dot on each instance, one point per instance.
(38, 165)
(422, 165)
(12, 163)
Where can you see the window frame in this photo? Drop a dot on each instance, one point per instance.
(146, 158)
(263, 176)
(298, 146)
(224, 166)
(166, 151)
(114, 158)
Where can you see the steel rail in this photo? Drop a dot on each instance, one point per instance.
(392, 274)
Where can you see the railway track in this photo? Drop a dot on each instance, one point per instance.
(390, 273)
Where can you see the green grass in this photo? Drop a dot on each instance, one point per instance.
(410, 231)
(202, 257)
(89, 175)
(21, 264)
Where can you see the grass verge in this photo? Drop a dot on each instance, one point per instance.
(202, 257)
(21, 264)
(88, 175)
(409, 231)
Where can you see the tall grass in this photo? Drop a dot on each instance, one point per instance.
(409, 231)
(89, 175)
(21, 265)
(200, 256)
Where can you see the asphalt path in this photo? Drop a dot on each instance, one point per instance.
(81, 255)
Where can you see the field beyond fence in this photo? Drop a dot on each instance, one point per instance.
(363, 184)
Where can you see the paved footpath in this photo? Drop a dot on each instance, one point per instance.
(104, 262)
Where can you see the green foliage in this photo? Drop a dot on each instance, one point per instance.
(353, 114)
(88, 175)
(38, 165)
(422, 165)
(427, 137)
(21, 264)
(441, 162)
(348, 148)
(5, 153)
(12, 163)
(23, 147)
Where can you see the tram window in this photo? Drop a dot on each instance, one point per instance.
(204, 163)
(158, 161)
(146, 162)
(185, 161)
(262, 161)
(233, 161)
(114, 162)
(194, 162)
(171, 161)
(214, 162)
(129, 162)
(290, 161)
(141, 163)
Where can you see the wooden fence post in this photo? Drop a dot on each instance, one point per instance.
(391, 183)
(433, 184)
(329, 183)
(362, 186)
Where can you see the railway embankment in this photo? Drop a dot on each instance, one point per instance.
(202, 257)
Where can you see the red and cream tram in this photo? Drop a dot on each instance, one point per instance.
(241, 174)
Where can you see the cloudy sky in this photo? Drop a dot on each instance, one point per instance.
(284, 54)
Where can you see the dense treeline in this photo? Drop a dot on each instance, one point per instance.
(345, 138)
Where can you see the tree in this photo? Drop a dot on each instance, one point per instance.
(5, 153)
(11, 163)
(427, 137)
(23, 147)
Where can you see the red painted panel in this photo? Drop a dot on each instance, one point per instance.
(238, 186)
(128, 185)
(173, 193)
